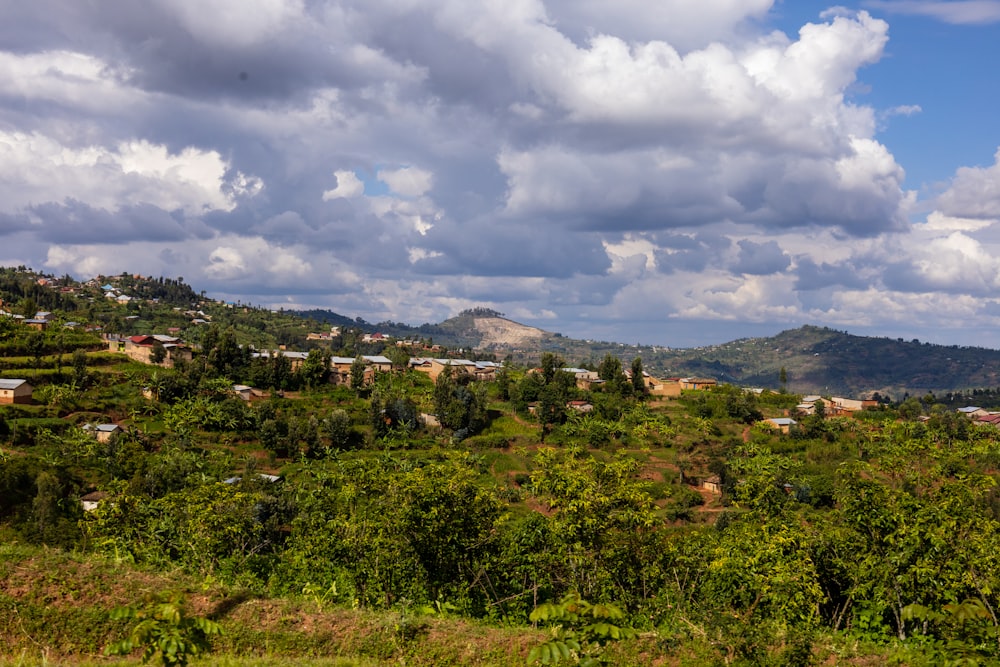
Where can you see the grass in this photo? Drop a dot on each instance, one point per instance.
(54, 610)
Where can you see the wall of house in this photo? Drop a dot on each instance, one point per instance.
(20, 395)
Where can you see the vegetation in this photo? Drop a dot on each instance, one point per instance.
(469, 520)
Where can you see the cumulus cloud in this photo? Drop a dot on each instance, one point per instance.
(35, 168)
(348, 186)
(560, 160)
(974, 192)
(408, 181)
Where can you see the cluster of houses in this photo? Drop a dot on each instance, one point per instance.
(832, 407)
(41, 321)
(981, 416)
(667, 388)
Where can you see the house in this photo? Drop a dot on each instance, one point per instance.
(340, 368)
(36, 323)
(91, 500)
(235, 479)
(665, 388)
(585, 380)
(580, 406)
(296, 358)
(103, 432)
(845, 406)
(973, 412)
(712, 484)
(142, 347)
(248, 393)
(783, 424)
(698, 383)
(434, 367)
(15, 391)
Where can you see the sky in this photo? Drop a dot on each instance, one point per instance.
(663, 172)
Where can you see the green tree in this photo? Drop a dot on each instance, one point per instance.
(158, 353)
(580, 630)
(638, 379)
(165, 632)
(358, 373)
(315, 370)
(338, 429)
(79, 368)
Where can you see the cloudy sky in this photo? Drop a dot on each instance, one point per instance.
(667, 172)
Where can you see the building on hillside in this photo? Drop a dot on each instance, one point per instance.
(90, 501)
(434, 367)
(248, 393)
(103, 432)
(296, 359)
(664, 388)
(783, 424)
(585, 379)
(712, 484)
(340, 368)
(698, 383)
(141, 348)
(838, 406)
(973, 412)
(15, 390)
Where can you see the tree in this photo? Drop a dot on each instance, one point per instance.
(357, 373)
(460, 404)
(315, 369)
(338, 429)
(158, 353)
(79, 368)
(580, 630)
(783, 379)
(165, 632)
(638, 379)
(399, 357)
(551, 363)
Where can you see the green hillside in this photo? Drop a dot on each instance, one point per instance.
(462, 514)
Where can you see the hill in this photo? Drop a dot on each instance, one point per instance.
(819, 359)
(816, 359)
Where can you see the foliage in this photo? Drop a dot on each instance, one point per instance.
(580, 630)
(165, 632)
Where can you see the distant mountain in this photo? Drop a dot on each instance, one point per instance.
(815, 359)
(823, 360)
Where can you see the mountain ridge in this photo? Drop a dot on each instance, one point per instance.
(817, 359)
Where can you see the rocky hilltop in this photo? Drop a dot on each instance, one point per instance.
(499, 332)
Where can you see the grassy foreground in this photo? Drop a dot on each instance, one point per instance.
(54, 610)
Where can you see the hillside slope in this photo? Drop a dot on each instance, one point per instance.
(819, 359)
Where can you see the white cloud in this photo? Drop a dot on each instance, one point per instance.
(408, 181)
(237, 23)
(348, 186)
(974, 192)
(35, 168)
(80, 80)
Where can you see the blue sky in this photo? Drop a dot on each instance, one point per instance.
(664, 172)
(946, 69)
